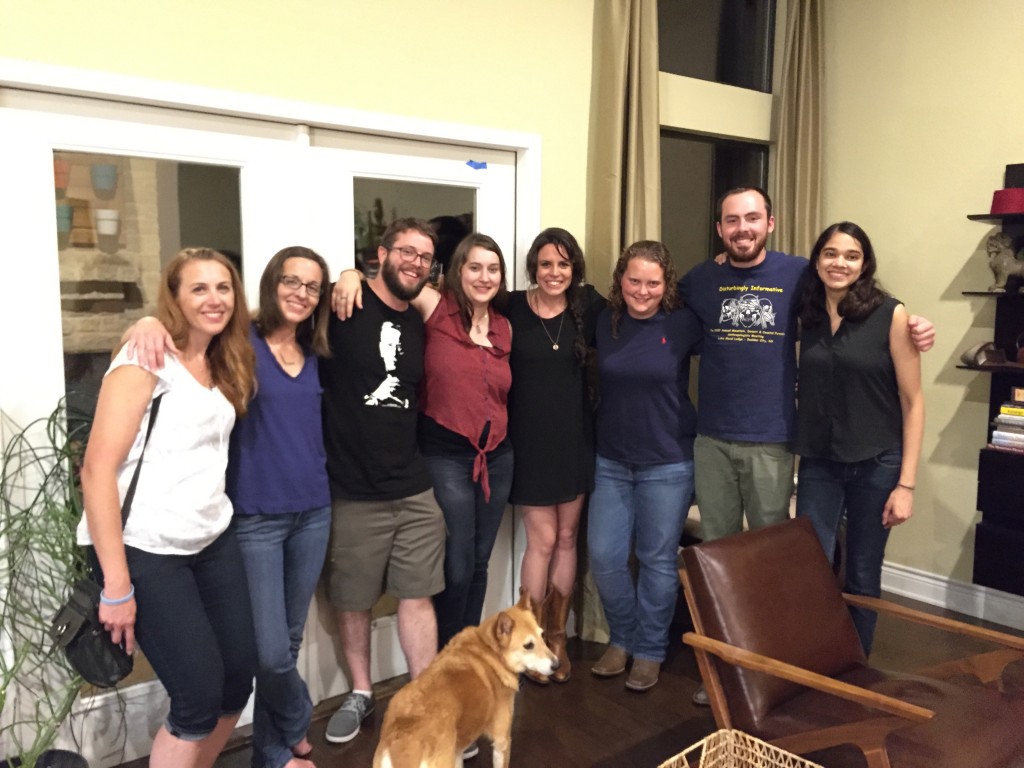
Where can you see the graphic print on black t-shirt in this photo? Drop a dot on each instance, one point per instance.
(386, 394)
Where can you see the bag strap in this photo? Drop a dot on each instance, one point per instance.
(126, 506)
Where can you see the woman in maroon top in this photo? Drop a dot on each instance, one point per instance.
(463, 429)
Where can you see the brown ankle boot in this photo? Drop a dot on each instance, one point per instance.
(556, 614)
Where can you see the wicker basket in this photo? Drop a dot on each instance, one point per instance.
(735, 749)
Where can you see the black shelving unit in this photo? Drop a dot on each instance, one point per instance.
(999, 536)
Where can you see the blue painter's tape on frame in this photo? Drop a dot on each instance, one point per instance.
(475, 165)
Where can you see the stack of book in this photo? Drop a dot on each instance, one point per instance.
(1008, 433)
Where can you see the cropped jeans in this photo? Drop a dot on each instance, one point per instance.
(641, 506)
(283, 555)
(472, 524)
(825, 490)
(194, 624)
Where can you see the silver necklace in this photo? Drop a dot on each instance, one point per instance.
(554, 341)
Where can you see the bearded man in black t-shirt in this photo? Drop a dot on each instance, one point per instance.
(388, 532)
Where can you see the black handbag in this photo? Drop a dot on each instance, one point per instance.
(77, 628)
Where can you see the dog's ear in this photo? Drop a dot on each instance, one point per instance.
(503, 629)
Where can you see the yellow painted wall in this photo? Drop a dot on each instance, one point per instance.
(522, 66)
(923, 109)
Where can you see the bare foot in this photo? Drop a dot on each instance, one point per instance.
(298, 762)
(303, 748)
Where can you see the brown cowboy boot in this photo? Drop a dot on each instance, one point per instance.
(538, 610)
(556, 606)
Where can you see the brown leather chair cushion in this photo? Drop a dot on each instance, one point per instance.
(771, 591)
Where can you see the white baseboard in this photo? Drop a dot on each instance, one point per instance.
(969, 599)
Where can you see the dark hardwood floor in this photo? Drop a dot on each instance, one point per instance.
(590, 722)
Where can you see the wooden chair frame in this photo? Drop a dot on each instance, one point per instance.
(868, 735)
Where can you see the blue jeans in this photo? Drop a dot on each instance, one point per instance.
(640, 506)
(195, 627)
(472, 525)
(283, 555)
(825, 489)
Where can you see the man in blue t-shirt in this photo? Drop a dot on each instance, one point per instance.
(746, 406)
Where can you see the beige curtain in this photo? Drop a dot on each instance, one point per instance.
(624, 172)
(798, 187)
(623, 179)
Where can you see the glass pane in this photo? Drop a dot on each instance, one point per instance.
(378, 202)
(724, 41)
(119, 220)
(695, 172)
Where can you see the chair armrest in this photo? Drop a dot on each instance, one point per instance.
(939, 622)
(760, 663)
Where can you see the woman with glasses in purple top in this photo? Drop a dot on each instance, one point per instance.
(277, 483)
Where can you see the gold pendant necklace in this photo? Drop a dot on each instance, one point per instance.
(554, 341)
(532, 299)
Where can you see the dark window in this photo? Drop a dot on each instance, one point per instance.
(695, 172)
(724, 41)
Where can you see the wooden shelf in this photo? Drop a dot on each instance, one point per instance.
(997, 218)
(1002, 451)
(1011, 368)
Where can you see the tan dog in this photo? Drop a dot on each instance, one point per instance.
(469, 690)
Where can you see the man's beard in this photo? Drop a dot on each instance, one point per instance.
(394, 283)
(751, 255)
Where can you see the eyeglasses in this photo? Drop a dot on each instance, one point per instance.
(292, 283)
(410, 254)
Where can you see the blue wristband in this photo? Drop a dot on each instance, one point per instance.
(119, 601)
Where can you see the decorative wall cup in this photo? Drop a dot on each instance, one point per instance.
(61, 175)
(106, 220)
(104, 178)
(64, 215)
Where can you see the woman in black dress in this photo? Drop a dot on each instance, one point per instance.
(551, 423)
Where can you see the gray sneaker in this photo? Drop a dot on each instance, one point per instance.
(471, 751)
(344, 724)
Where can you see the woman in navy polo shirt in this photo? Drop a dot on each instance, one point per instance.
(644, 474)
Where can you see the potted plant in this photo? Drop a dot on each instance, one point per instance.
(40, 505)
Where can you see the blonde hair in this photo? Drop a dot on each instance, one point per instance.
(230, 356)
